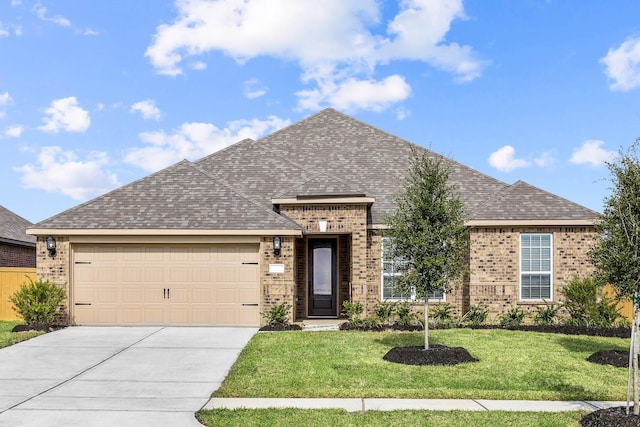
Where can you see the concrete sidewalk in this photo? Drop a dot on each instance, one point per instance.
(365, 404)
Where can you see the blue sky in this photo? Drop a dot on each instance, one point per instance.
(96, 94)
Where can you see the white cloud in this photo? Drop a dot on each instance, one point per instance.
(504, 159)
(147, 108)
(14, 131)
(59, 171)
(352, 94)
(196, 140)
(402, 113)
(591, 153)
(623, 65)
(337, 46)
(90, 32)
(253, 89)
(65, 114)
(41, 12)
(5, 100)
(546, 160)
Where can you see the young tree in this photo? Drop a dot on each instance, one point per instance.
(616, 254)
(428, 231)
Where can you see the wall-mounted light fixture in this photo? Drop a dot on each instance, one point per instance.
(51, 246)
(277, 245)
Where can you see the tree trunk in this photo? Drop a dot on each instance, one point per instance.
(426, 322)
(636, 351)
(630, 368)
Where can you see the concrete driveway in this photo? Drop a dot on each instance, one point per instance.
(115, 376)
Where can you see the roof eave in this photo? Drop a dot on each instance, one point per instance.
(530, 222)
(325, 200)
(160, 232)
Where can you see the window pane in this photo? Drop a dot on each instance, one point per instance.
(322, 271)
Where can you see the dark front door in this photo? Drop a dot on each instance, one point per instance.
(322, 277)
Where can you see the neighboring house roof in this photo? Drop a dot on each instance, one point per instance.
(326, 154)
(13, 229)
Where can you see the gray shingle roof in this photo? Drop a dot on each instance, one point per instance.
(13, 228)
(321, 185)
(326, 153)
(522, 201)
(178, 197)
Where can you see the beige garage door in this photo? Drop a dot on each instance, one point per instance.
(166, 285)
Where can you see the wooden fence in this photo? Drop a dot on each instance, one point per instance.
(10, 280)
(625, 307)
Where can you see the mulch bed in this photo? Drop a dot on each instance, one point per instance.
(278, 327)
(28, 328)
(610, 417)
(552, 329)
(617, 358)
(436, 355)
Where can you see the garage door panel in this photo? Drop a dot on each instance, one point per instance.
(154, 274)
(166, 284)
(106, 296)
(107, 274)
(131, 274)
(132, 295)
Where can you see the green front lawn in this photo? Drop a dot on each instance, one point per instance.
(331, 418)
(8, 338)
(513, 365)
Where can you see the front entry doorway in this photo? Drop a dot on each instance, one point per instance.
(323, 278)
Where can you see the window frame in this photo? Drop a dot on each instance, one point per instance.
(412, 298)
(523, 272)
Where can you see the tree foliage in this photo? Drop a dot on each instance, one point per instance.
(616, 255)
(427, 230)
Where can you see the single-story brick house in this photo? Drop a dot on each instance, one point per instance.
(17, 248)
(295, 217)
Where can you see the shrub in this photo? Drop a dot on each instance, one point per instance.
(586, 306)
(352, 310)
(37, 302)
(277, 314)
(443, 314)
(547, 315)
(385, 311)
(367, 323)
(475, 315)
(512, 317)
(406, 317)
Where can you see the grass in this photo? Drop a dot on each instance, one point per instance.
(8, 338)
(513, 365)
(330, 417)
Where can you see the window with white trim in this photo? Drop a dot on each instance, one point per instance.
(391, 272)
(536, 266)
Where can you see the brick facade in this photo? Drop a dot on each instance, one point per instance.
(494, 263)
(55, 269)
(278, 288)
(17, 256)
(348, 224)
